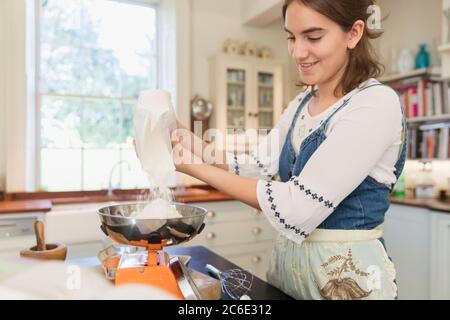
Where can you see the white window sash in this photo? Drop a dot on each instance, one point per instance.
(21, 165)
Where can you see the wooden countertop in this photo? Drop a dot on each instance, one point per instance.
(25, 206)
(43, 201)
(432, 204)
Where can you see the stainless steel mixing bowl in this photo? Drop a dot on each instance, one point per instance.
(118, 223)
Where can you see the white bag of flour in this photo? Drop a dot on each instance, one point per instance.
(154, 118)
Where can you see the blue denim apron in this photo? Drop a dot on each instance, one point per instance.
(363, 209)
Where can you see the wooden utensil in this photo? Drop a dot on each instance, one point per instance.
(40, 239)
(53, 251)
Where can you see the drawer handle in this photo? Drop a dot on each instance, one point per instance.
(210, 235)
(257, 231)
(256, 259)
(210, 214)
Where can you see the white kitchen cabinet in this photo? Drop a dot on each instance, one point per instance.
(239, 233)
(407, 236)
(418, 241)
(247, 92)
(440, 256)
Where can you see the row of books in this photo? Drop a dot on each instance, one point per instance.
(429, 144)
(424, 98)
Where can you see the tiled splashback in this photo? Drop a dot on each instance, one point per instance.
(440, 170)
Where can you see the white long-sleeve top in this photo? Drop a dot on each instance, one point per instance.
(363, 139)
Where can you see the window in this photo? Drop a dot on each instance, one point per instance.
(94, 58)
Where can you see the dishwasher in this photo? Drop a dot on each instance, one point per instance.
(17, 231)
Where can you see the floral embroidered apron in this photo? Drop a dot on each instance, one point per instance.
(345, 257)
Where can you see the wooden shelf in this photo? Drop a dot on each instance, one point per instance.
(432, 72)
(444, 48)
(443, 117)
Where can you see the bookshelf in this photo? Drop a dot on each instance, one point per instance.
(425, 95)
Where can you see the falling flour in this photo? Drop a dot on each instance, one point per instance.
(154, 117)
(158, 209)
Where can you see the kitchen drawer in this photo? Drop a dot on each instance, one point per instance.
(253, 257)
(229, 211)
(256, 263)
(234, 232)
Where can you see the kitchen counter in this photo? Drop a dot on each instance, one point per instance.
(43, 201)
(25, 206)
(432, 204)
(200, 256)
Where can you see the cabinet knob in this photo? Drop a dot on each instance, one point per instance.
(210, 235)
(257, 231)
(256, 259)
(210, 214)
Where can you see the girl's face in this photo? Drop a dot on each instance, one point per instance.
(317, 44)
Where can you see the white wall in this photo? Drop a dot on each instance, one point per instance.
(410, 23)
(215, 21)
(260, 12)
(2, 100)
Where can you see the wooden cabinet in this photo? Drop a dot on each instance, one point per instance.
(247, 92)
(239, 233)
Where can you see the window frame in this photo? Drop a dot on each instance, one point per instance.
(155, 4)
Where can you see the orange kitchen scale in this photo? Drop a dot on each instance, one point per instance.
(152, 266)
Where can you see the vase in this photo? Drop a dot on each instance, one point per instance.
(423, 57)
(406, 61)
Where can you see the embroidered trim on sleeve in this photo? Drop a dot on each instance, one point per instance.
(264, 169)
(314, 196)
(236, 165)
(277, 214)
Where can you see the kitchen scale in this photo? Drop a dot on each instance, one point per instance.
(153, 266)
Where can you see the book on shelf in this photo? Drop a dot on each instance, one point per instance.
(424, 98)
(425, 143)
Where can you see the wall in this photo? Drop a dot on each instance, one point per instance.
(410, 23)
(215, 21)
(260, 13)
(2, 101)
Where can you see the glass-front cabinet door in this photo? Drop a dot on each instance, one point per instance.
(265, 100)
(236, 98)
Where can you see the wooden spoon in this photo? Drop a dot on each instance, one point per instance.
(40, 239)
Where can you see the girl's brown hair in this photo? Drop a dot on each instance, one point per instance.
(363, 62)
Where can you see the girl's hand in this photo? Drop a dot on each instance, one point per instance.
(183, 158)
